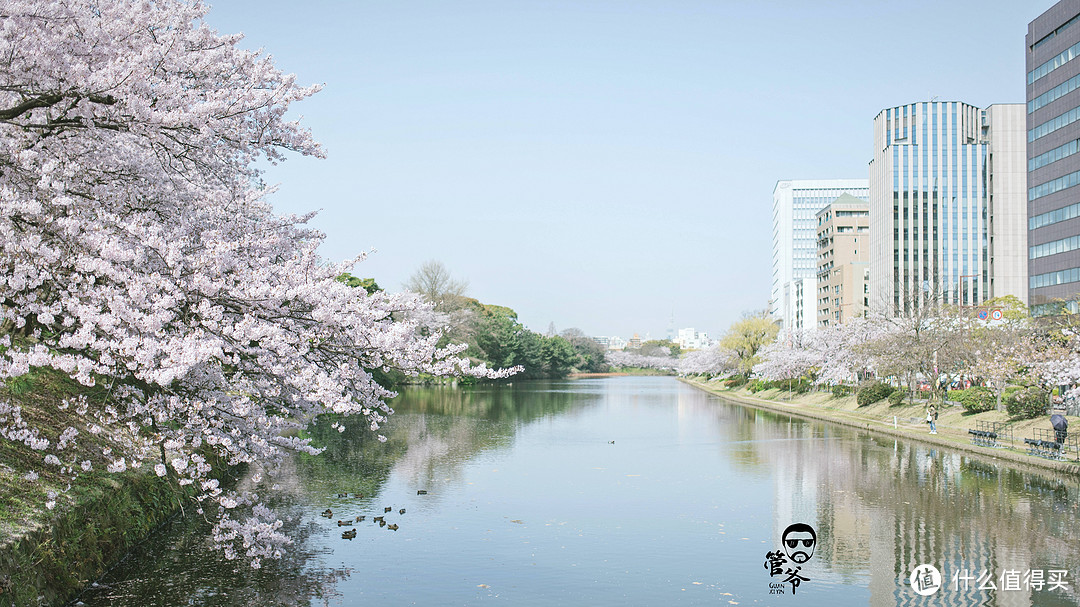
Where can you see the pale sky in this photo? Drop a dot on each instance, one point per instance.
(603, 164)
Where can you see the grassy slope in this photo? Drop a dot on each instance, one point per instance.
(47, 555)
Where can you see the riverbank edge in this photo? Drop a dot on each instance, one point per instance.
(52, 564)
(953, 437)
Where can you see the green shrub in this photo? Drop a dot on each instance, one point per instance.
(975, 399)
(840, 391)
(897, 397)
(757, 385)
(735, 382)
(872, 391)
(1028, 403)
(798, 386)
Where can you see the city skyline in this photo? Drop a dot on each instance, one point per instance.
(599, 166)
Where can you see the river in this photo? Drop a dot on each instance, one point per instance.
(628, 491)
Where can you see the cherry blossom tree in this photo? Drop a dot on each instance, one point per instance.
(1005, 347)
(711, 361)
(846, 352)
(619, 358)
(138, 252)
(790, 357)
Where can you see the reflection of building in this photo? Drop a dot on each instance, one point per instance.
(882, 508)
(1053, 156)
(794, 245)
(947, 204)
(843, 276)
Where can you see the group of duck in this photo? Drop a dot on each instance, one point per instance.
(381, 520)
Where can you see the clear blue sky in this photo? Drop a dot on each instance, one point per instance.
(601, 164)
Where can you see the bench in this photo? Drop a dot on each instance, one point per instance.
(1043, 443)
(990, 434)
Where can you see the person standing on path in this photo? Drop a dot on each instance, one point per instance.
(931, 418)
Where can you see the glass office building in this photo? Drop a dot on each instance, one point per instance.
(947, 207)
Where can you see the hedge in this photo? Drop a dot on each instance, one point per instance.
(841, 390)
(872, 391)
(1028, 403)
(975, 399)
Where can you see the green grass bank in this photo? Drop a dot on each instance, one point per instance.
(48, 556)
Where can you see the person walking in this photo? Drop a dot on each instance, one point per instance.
(931, 418)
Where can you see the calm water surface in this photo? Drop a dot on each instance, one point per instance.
(530, 503)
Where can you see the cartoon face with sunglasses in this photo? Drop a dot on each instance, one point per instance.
(799, 540)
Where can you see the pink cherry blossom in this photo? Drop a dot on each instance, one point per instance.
(139, 251)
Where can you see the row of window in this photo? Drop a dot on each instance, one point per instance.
(1055, 307)
(1054, 124)
(1054, 278)
(1054, 185)
(1056, 216)
(1056, 31)
(1061, 59)
(1054, 155)
(1054, 94)
(1052, 248)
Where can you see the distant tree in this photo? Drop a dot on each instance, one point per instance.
(711, 361)
(660, 347)
(591, 354)
(368, 284)
(747, 336)
(557, 356)
(433, 281)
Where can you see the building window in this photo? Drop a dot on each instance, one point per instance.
(1055, 185)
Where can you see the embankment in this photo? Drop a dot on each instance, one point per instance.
(906, 421)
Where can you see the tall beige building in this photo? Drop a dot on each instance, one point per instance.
(843, 260)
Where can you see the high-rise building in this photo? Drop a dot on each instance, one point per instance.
(947, 205)
(793, 302)
(1053, 157)
(843, 278)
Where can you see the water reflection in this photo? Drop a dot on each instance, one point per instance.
(626, 490)
(883, 507)
(177, 566)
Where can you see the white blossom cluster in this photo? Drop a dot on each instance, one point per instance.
(138, 252)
